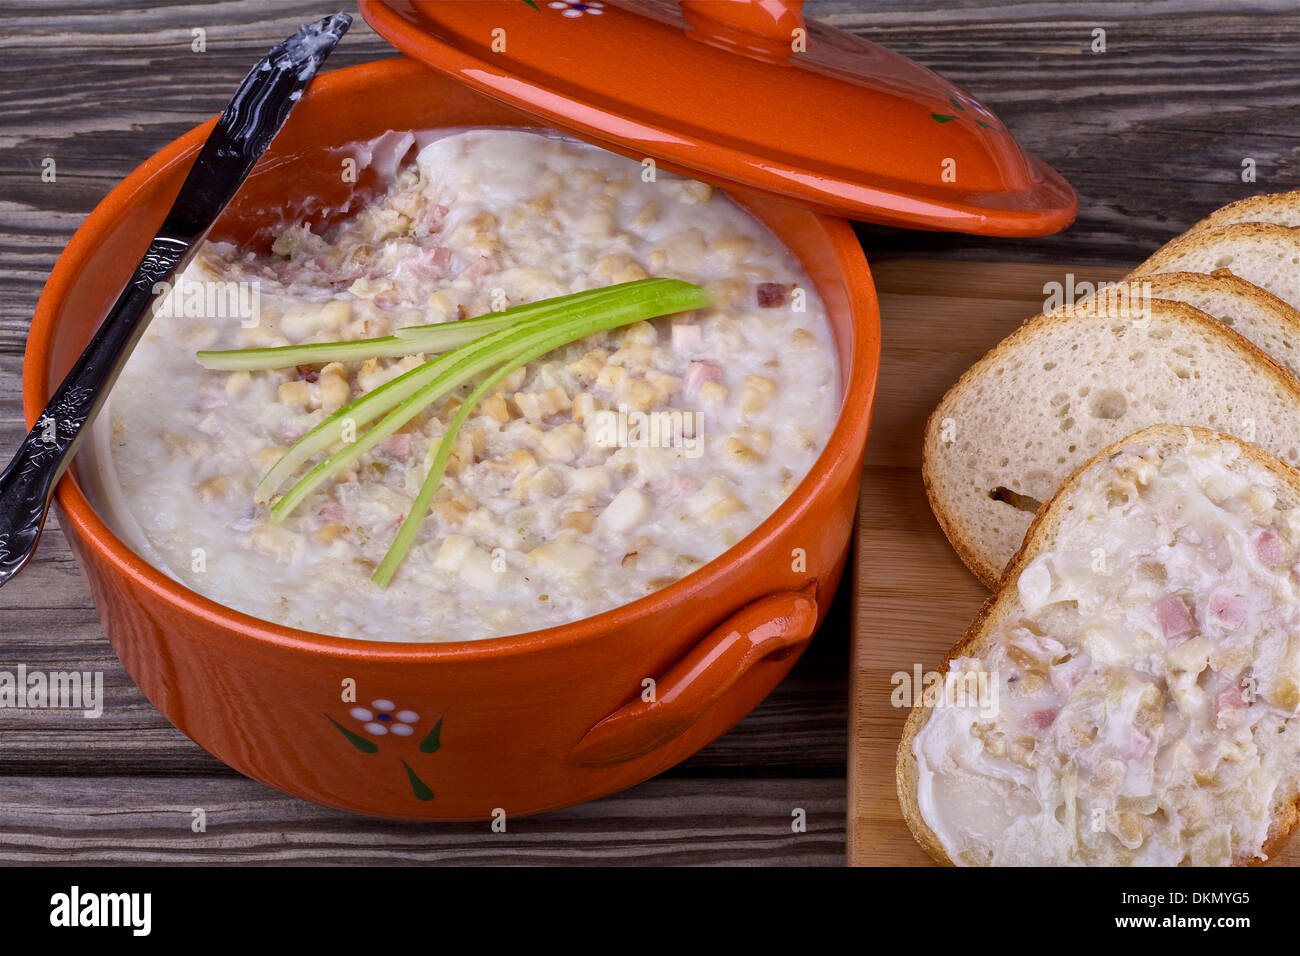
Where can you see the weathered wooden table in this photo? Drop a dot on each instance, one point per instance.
(1153, 132)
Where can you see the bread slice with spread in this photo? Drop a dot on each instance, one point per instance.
(1130, 695)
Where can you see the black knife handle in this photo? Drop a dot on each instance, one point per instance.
(28, 482)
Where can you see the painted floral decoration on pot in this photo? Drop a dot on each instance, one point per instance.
(382, 719)
(591, 8)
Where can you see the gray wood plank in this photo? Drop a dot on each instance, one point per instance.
(147, 820)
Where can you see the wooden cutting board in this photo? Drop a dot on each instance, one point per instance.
(914, 598)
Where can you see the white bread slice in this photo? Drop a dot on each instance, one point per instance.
(1260, 316)
(1068, 383)
(1261, 253)
(1281, 209)
(1142, 657)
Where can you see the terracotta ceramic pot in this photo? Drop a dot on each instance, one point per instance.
(518, 724)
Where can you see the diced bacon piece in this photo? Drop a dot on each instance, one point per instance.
(332, 511)
(1042, 719)
(772, 294)
(476, 270)
(1228, 609)
(437, 215)
(686, 335)
(429, 265)
(1268, 548)
(1067, 675)
(397, 446)
(698, 373)
(1137, 745)
(1230, 699)
(1176, 619)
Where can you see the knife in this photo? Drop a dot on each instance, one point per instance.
(259, 108)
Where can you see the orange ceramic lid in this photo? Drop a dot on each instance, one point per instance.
(745, 92)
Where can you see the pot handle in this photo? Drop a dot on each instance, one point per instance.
(762, 30)
(773, 625)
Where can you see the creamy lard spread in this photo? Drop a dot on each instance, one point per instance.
(1147, 693)
(572, 489)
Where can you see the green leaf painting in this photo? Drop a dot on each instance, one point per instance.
(433, 741)
(361, 743)
(948, 117)
(418, 786)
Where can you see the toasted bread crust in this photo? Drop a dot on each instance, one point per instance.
(1210, 282)
(1283, 319)
(984, 566)
(1006, 599)
(1262, 233)
(906, 773)
(1278, 208)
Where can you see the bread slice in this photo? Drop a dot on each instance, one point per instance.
(1281, 209)
(1261, 253)
(1260, 316)
(1071, 382)
(1131, 694)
